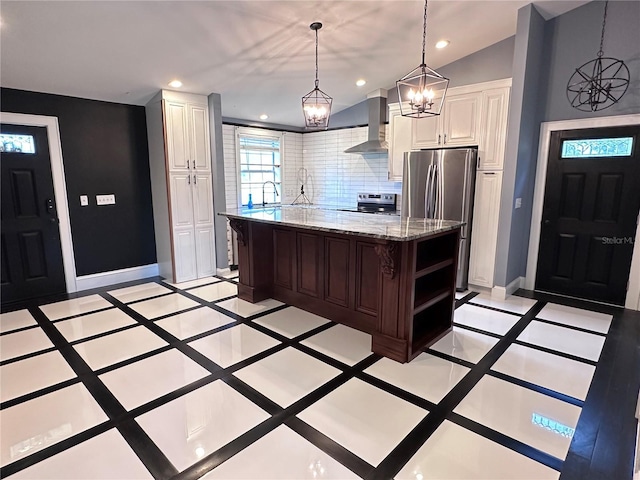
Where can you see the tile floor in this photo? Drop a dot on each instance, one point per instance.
(186, 381)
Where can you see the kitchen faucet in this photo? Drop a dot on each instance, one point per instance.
(275, 190)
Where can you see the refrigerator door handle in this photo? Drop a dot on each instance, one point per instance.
(427, 193)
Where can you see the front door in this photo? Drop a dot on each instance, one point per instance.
(30, 239)
(590, 213)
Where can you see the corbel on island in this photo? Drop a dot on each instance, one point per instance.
(388, 276)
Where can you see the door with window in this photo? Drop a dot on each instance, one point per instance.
(30, 240)
(590, 213)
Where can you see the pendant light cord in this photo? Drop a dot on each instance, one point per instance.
(424, 32)
(317, 82)
(604, 22)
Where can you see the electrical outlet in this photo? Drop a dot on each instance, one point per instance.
(84, 200)
(518, 202)
(106, 199)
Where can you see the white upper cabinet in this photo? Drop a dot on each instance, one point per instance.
(400, 141)
(493, 129)
(177, 137)
(457, 125)
(200, 148)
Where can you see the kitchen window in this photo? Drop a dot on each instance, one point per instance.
(259, 161)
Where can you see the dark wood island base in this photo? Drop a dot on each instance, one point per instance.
(400, 292)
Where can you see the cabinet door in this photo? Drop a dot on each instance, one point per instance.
(199, 137)
(493, 128)
(205, 251)
(181, 200)
(400, 133)
(484, 236)
(461, 120)
(426, 132)
(202, 198)
(177, 138)
(184, 254)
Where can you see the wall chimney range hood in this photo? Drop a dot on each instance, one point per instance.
(376, 143)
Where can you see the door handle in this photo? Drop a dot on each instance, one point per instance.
(195, 179)
(187, 164)
(188, 179)
(51, 210)
(445, 138)
(439, 136)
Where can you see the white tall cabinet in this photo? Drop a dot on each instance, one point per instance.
(471, 115)
(181, 185)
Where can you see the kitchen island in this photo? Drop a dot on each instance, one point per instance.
(390, 277)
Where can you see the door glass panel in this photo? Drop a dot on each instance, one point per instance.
(597, 147)
(10, 142)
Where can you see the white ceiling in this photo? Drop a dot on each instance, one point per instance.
(259, 55)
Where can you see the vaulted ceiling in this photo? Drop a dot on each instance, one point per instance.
(259, 55)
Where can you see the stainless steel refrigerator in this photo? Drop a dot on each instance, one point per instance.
(440, 184)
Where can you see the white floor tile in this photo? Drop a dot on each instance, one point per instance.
(425, 376)
(200, 422)
(287, 376)
(342, 343)
(233, 345)
(193, 283)
(14, 320)
(550, 371)
(16, 344)
(216, 291)
(485, 319)
(465, 344)
(455, 453)
(105, 457)
(187, 324)
(513, 304)
(75, 306)
(31, 374)
(291, 321)
(158, 307)
(231, 274)
(93, 324)
(145, 380)
(518, 413)
(364, 419)
(138, 292)
(281, 454)
(46, 420)
(576, 317)
(561, 339)
(460, 295)
(246, 309)
(114, 348)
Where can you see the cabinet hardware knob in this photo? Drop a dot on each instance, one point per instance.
(195, 179)
(439, 138)
(189, 179)
(187, 163)
(445, 138)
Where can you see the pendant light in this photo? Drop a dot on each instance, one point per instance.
(600, 82)
(316, 105)
(421, 92)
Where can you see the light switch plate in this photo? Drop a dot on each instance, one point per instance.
(84, 200)
(518, 202)
(106, 199)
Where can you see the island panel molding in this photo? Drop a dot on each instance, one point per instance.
(343, 266)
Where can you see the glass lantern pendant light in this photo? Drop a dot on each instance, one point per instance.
(316, 105)
(599, 83)
(421, 92)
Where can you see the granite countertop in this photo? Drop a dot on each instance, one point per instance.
(388, 227)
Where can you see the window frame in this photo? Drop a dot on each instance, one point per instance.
(262, 134)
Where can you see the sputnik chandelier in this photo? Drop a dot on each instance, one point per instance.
(316, 105)
(599, 83)
(421, 92)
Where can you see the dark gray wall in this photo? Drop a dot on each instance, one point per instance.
(352, 116)
(522, 145)
(574, 38)
(217, 179)
(104, 150)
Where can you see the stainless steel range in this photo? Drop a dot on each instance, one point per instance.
(381, 203)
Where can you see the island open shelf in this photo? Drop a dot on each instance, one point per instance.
(390, 277)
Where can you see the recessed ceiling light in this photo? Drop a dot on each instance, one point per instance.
(175, 83)
(264, 116)
(442, 43)
(361, 82)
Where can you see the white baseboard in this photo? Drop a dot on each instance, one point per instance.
(223, 271)
(501, 293)
(104, 279)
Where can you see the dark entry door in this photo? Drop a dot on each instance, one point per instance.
(30, 238)
(591, 205)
